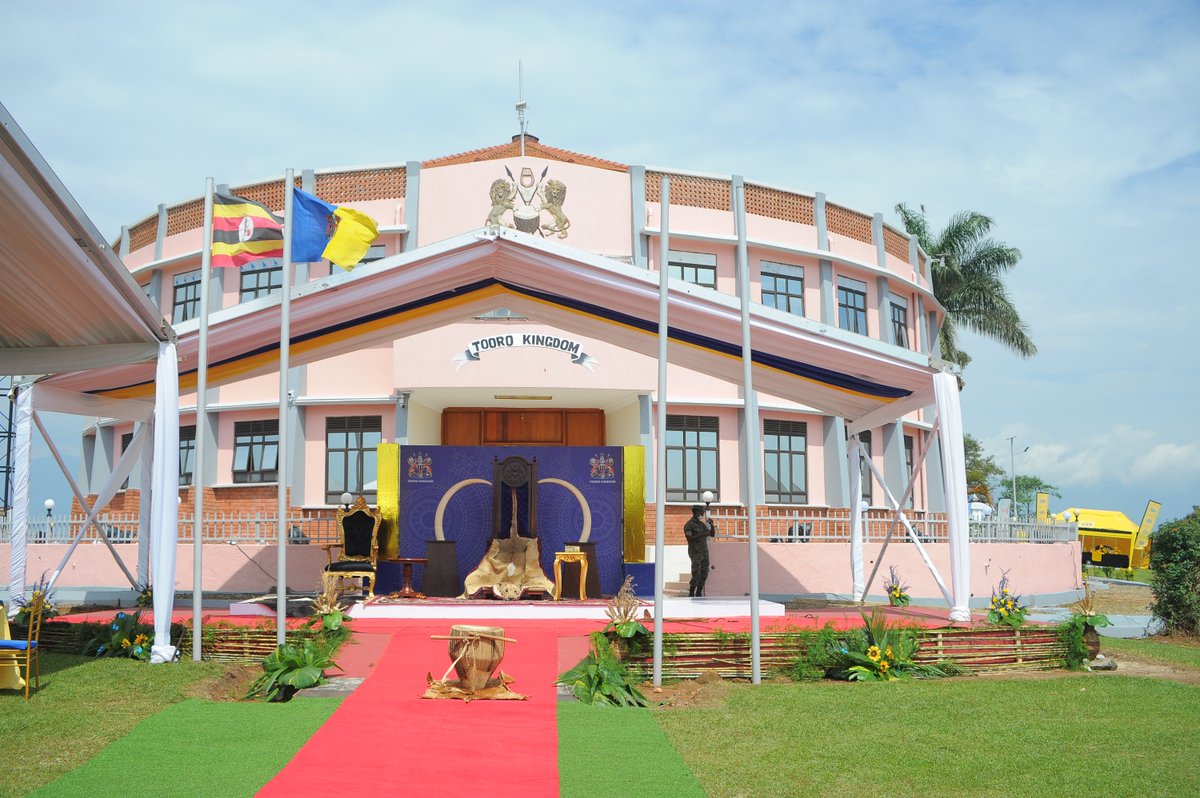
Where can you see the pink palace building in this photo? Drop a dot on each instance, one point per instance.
(497, 376)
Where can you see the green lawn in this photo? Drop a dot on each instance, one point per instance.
(84, 704)
(605, 752)
(1152, 650)
(1060, 736)
(207, 750)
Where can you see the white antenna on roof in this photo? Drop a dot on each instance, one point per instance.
(521, 103)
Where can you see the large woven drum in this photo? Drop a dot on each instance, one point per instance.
(480, 655)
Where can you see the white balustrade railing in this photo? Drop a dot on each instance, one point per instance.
(260, 528)
(818, 526)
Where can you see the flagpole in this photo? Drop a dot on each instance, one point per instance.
(281, 462)
(201, 427)
(660, 447)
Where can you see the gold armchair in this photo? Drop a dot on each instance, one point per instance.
(23, 654)
(359, 527)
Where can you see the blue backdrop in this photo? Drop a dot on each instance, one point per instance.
(428, 472)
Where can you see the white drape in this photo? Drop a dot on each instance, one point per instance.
(954, 474)
(853, 455)
(164, 505)
(22, 442)
(143, 534)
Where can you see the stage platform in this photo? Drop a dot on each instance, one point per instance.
(674, 608)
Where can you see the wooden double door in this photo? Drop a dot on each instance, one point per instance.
(533, 426)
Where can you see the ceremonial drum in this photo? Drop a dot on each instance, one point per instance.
(480, 656)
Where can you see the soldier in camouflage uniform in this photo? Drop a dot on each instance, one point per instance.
(698, 530)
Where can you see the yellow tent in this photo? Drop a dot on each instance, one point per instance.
(1108, 537)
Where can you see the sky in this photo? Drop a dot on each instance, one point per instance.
(1074, 125)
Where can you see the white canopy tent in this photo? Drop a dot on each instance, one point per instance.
(68, 304)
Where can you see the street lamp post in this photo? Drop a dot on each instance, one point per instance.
(1012, 466)
(49, 505)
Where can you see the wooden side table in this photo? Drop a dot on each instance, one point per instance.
(407, 591)
(561, 557)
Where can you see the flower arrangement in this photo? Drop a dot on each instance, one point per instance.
(145, 597)
(126, 636)
(40, 589)
(1006, 607)
(882, 653)
(897, 591)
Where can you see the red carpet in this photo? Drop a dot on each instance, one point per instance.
(386, 740)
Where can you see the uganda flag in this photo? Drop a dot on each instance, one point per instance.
(243, 231)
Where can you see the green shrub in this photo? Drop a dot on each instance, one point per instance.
(290, 668)
(601, 679)
(1175, 561)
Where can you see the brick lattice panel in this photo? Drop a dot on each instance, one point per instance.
(895, 244)
(694, 192)
(143, 234)
(269, 194)
(188, 216)
(363, 184)
(846, 222)
(775, 204)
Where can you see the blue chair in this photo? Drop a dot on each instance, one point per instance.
(25, 652)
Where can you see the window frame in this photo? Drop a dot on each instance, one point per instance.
(256, 436)
(187, 455)
(868, 477)
(271, 268)
(848, 288)
(680, 455)
(187, 283)
(790, 429)
(787, 273)
(898, 306)
(359, 426)
(126, 439)
(680, 264)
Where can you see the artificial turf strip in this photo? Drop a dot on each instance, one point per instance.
(1087, 735)
(201, 748)
(618, 753)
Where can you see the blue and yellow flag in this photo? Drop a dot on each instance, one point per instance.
(324, 231)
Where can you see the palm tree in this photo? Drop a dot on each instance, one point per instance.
(968, 269)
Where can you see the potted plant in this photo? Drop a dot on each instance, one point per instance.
(1087, 611)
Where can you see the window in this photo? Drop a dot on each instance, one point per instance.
(694, 267)
(785, 472)
(852, 305)
(186, 303)
(256, 451)
(899, 321)
(374, 252)
(187, 454)
(126, 439)
(261, 278)
(691, 457)
(867, 481)
(783, 287)
(351, 456)
(908, 466)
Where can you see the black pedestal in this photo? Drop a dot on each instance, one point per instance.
(570, 573)
(440, 576)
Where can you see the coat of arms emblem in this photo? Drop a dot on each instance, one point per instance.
(531, 205)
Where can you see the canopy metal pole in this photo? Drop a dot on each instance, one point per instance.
(281, 461)
(750, 435)
(201, 427)
(660, 445)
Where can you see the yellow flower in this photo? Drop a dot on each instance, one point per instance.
(873, 652)
(883, 666)
(125, 642)
(888, 653)
(1003, 611)
(137, 641)
(1006, 590)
